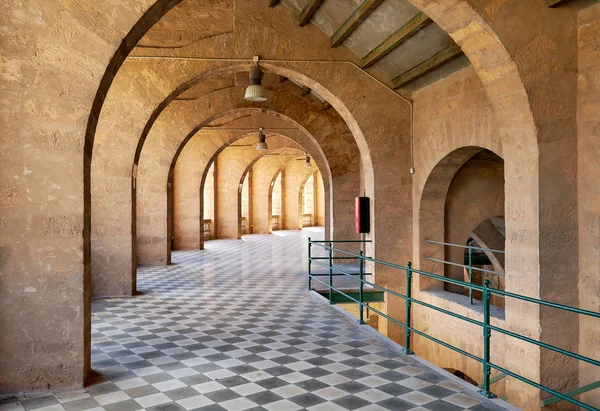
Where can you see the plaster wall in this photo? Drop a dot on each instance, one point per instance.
(588, 169)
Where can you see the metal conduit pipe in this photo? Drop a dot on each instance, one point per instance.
(252, 61)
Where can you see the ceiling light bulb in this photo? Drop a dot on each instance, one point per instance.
(262, 144)
(255, 92)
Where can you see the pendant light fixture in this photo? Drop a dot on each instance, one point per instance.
(262, 144)
(307, 163)
(255, 92)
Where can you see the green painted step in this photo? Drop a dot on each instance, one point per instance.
(352, 296)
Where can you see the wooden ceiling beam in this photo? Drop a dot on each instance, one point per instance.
(361, 13)
(554, 3)
(428, 65)
(273, 3)
(308, 11)
(400, 36)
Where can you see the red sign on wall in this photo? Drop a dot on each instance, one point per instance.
(362, 215)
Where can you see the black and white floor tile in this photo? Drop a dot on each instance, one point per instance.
(233, 328)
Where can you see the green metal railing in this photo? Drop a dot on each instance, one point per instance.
(330, 258)
(469, 266)
(486, 325)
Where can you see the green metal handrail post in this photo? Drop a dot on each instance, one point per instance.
(471, 270)
(330, 273)
(408, 305)
(309, 265)
(487, 334)
(361, 270)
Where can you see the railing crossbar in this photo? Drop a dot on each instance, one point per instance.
(449, 280)
(576, 391)
(333, 268)
(546, 303)
(495, 379)
(465, 246)
(464, 266)
(544, 345)
(318, 242)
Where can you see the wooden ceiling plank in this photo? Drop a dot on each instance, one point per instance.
(361, 13)
(400, 36)
(308, 11)
(428, 65)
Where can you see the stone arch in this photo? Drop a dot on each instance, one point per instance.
(232, 91)
(476, 193)
(152, 16)
(431, 212)
(315, 151)
(430, 8)
(213, 155)
(275, 166)
(346, 115)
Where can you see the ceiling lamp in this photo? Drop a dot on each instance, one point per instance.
(255, 92)
(307, 163)
(262, 144)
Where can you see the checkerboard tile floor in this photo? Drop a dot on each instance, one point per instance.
(233, 328)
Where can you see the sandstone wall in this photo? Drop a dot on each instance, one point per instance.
(320, 197)
(295, 175)
(588, 169)
(449, 115)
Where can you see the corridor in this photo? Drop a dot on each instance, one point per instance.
(233, 328)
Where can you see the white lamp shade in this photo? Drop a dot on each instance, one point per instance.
(254, 92)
